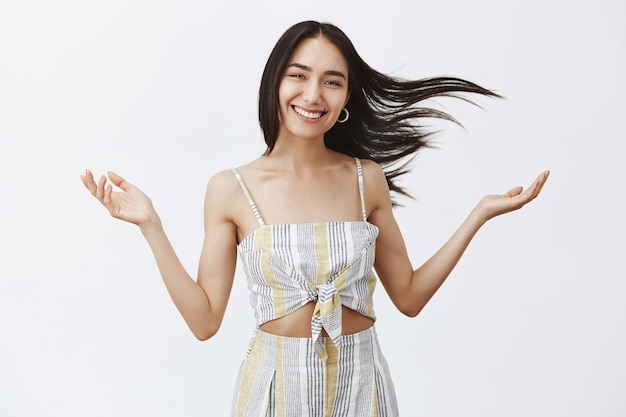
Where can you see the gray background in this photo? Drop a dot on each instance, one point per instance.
(163, 92)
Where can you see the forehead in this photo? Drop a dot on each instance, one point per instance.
(320, 54)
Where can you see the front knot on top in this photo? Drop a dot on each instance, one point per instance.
(327, 316)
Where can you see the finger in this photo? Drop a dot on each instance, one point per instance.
(118, 181)
(514, 191)
(542, 180)
(83, 178)
(535, 188)
(100, 188)
(88, 182)
(106, 200)
(537, 185)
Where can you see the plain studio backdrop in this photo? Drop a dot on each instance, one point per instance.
(531, 322)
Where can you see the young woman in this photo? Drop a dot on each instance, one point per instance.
(312, 219)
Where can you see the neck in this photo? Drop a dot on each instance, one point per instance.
(302, 155)
(306, 151)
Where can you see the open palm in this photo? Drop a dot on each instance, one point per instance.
(516, 198)
(130, 204)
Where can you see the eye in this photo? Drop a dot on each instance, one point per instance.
(296, 75)
(334, 83)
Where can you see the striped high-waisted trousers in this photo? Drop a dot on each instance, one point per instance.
(284, 377)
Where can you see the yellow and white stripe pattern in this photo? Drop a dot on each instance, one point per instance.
(329, 263)
(284, 377)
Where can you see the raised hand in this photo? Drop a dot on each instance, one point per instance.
(130, 204)
(516, 198)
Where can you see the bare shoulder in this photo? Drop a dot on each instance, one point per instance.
(222, 182)
(374, 176)
(221, 190)
(371, 167)
(375, 184)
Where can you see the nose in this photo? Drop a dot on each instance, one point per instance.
(311, 93)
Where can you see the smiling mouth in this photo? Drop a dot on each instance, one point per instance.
(308, 114)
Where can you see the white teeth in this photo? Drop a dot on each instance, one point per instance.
(307, 114)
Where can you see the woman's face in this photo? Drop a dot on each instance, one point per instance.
(313, 90)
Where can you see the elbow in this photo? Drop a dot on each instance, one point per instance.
(203, 336)
(411, 312)
(410, 309)
(205, 333)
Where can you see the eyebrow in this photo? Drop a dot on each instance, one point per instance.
(309, 69)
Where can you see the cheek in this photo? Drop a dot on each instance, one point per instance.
(340, 100)
(284, 92)
(283, 101)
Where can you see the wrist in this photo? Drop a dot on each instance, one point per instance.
(152, 224)
(479, 215)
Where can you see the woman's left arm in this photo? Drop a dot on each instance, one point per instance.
(410, 289)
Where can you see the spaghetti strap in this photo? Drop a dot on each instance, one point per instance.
(359, 170)
(248, 196)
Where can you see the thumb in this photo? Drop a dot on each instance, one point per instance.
(514, 191)
(118, 181)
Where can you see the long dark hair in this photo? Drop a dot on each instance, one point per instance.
(384, 111)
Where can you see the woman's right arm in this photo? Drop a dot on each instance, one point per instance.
(203, 303)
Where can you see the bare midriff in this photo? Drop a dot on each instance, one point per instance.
(298, 323)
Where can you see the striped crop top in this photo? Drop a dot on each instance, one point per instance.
(329, 263)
